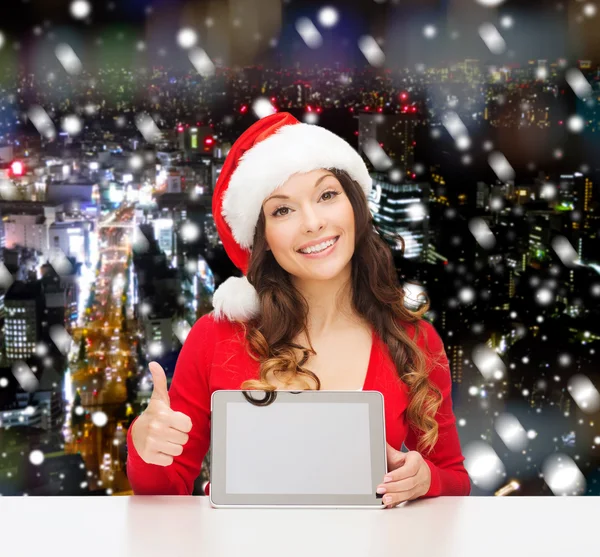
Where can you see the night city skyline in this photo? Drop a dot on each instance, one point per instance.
(481, 129)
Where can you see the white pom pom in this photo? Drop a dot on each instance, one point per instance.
(236, 299)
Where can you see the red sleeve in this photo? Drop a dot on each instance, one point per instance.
(189, 393)
(448, 474)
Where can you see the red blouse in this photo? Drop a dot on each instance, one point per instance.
(214, 357)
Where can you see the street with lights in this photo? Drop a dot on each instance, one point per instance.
(97, 426)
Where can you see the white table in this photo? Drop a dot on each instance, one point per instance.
(145, 526)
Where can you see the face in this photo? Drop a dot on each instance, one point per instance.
(315, 208)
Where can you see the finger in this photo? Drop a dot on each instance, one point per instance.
(399, 486)
(160, 459)
(159, 379)
(168, 448)
(408, 470)
(176, 436)
(180, 422)
(396, 498)
(395, 459)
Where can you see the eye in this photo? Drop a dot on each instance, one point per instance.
(275, 213)
(283, 207)
(333, 194)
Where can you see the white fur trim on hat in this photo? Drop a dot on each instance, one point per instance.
(292, 149)
(235, 299)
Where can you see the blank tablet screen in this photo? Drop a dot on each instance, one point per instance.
(298, 448)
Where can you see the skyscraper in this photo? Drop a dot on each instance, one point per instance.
(401, 209)
(23, 303)
(396, 134)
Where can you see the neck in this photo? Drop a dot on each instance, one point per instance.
(329, 302)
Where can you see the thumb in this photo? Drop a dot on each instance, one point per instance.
(159, 379)
(395, 458)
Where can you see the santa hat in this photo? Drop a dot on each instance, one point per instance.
(261, 160)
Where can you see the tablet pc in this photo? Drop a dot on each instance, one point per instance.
(297, 449)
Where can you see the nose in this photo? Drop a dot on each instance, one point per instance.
(313, 220)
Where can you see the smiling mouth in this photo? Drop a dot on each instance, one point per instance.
(321, 251)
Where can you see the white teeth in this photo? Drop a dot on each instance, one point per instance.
(319, 247)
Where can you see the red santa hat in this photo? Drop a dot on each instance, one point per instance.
(261, 160)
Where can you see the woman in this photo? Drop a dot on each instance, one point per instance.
(326, 317)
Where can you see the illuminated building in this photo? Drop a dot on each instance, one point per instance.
(401, 209)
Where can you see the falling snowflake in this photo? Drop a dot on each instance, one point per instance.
(147, 127)
(482, 233)
(181, 330)
(202, 62)
(492, 38)
(136, 162)
(187, 38)
(155, 348)
(99, 419)
(488, 362)
(575, 124)
(309, 33)
(36, 457)
(395, 175)
(61, 338)
(501, 166)
(416, 211)
(466, 295)
(68, 58)
(562, 475)
(463, 142)
(72, 124)
(378, 157)
(455, 126)
(310, 118)
(42, 122)
(511, 432)
(548, 191)
(578, 83)
(371, 50)
(565, 251)
(25, 376)
(544, 296)
(262, 107)
(590, 10)
(328, 16)
(429, 31)
(564, 360)
(483, 465)
(190, 232)
(80, 9)
(584, 393)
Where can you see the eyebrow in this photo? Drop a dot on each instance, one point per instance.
(281, 196)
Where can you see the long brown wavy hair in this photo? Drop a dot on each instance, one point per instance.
(377, 297)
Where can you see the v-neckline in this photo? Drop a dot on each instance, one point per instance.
(371, 364)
